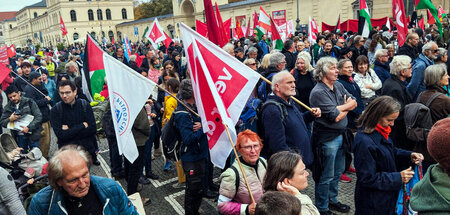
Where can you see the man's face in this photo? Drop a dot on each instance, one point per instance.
(37, 81)
(71, 70)
(252, 55)
(328, 47)
(332, 73)
(281, 65)
(26, 70)
(414, 41)
(322, 41)
(286, 87)
(75, 180)
(119, 52)
(67, 95)
(391, 52)
(149, 54)
(300, 46)
(340, 43)
(264, 37)
(384, 58)
(14, 97)
(433, 52)
(240, 54)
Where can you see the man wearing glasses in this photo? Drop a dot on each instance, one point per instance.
(429, 54)
(381, 67)
(73, 121)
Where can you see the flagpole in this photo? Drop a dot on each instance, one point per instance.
(28, 83)
(292, 97)
(240, 165)
(182, 103)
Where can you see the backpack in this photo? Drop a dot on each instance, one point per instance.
(171, 137)
(264, 89)
(418, 119)
(238, 176)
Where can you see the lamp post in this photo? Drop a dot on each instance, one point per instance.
(297, 27)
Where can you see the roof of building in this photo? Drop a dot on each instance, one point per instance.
(146, 19)
(240, 3)
(42, 3)
(7, 15)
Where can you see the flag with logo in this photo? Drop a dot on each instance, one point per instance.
(364, 24)
(312, 31)
(399, 15)
(93, 71)
(126, 102)
(4, 55)
(11, 51)
(239, 31)
(155, 34)
(433, 12)
(126, 47)
(62, 26)
(221, 85)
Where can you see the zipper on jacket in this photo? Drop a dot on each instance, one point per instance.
(62, 208)
(106, 204)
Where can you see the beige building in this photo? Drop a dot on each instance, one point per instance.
(40, 23)
(5, 31)
(327, 11)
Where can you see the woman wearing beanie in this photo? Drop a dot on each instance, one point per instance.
(378, 179)
(431, 195)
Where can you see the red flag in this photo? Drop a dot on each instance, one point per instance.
(239, 32)
(211, 23)
(201, 27)
(11, 51)
(430, 17)
(62, 26)
(249, 32)
(274, 30)
(255, 20)
(221, 85)
(399, 14)
(422, 24)
(4, 72)
(167, 41)
(222, 29)
(4, 55)
(227, 25)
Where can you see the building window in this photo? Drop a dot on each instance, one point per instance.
(93, 34)
(99, 14)
(70, 0)
(73, 16)
(108, 14)
(90, 15)
(124, 13)
(119, 36)
(110, 35)
(75, 36)
(35, 15)
(1, 33)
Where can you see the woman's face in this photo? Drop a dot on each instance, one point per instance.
(249, 151)
(169, 67)
(444, 80)
(444, 58)
(347, 69)
(300, 178)
(362, 67)
(44, 77)
(388, 120)
(177, 58)
(301, 65)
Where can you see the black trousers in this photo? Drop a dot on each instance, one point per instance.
(195, 172)
(134, 170)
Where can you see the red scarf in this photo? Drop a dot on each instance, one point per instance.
(383, 130)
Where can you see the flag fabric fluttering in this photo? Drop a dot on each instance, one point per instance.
(167, 41)
(276, 38)
(4, 55)
(223, 39)
(11, 51)
(421, 24)
(364, 23)
(126, 47)
(145, 32)
(93, 71)
(263, 21)
(426, 4)
(239, 31)
(62, 26)
(4, 72)
(412, 22)
(256, 30)
(211, 22)
(338, 25)
(155, 34)
(441, 13)
(249, 31)
(312, 31)
(430, 18)
(126, 102)
(221, 85)
(398, 10)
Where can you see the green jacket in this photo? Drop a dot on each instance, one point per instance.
(431, 195)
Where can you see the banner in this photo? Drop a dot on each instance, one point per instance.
(279, 17)
(4, 55)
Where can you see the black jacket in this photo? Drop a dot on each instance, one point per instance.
(145, 66)
(290, 59)
(21, 83)
(40, 100)
(412, 52)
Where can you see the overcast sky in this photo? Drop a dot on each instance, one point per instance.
(15, 5)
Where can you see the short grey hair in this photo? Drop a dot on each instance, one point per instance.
(427, 46)
(357, 39)
(306, 57)
(380, 52)
(278, 77)
(442, 52)
(252, 50)
(323, 66)
(248, 61)
(433, 75)
(390, 46)
(69, 64)
(398, 64)
(185, 91)
(55, 169)
(276, 58)
(228, 47)
(133, 58)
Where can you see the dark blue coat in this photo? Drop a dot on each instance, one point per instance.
(290, 136)
(195, 144)
(382, 70)
(352, 88)
(378, 179)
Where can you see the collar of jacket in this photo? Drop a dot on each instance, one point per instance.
(279, 99)
(385, 65)
(427, 60)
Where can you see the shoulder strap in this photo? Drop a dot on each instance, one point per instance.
(281, 107)
(432, 98)
(263, 163)
(238, 178)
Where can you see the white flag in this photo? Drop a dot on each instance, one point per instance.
(155, 34)
(128, 92)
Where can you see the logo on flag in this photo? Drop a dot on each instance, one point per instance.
(155, 34)
(122, 112)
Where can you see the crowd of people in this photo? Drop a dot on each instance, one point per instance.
(358, 90)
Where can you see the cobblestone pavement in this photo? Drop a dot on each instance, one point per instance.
(167, 195)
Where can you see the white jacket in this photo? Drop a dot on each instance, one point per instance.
(370, 78)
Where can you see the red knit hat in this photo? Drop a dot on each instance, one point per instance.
(438, 143)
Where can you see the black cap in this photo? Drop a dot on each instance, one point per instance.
(36, 63)
(238, 49)
(34, 75)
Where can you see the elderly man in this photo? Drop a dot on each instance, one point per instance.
(429, 54)
(410, 46)
(73, 190)
(252, 52)
(335, 102)
(337, 48)
(229, 48)
(277, 64)
(300, 46)
(381, 67)
(72, 70)
(283, 124)
(288, 51)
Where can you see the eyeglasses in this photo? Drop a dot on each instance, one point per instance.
(252, 64)
(249, 148)
(435, 50)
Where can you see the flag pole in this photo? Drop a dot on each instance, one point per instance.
(182, 103)
(240, 165)
(28, 83)
(292, 97)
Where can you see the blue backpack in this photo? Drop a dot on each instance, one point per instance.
(264, 89)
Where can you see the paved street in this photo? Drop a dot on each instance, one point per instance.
(168, 196)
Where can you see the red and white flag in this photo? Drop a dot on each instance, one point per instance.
(62, 26)
(313, 31)
(4, 55)
(221, 85)
(398, 12)
(11, 51)
(155, 34)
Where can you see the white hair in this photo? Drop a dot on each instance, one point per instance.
(228, 47)
(380, 52)
(427, 46)
(398, 64)
(278, 77)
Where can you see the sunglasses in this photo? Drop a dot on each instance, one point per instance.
(252, 64)
(435, 50)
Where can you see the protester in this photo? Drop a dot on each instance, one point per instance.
(304, 80)
(278, 203)
(287, 173)
(378, 180)
(9, 201)
(73, 121)
(22, 80)
(327, 50)
(442, 57)
(132, 64)
(119, 55)
(391, 51)
(430, 195)
(49, 84)
(357, 48)
(288, 51)
(236, 199)
(73, 190)
(410, 48)
(72, 71)
(251, 62)
(146, 62)
(263, 45)
(374, 46)
(366, 79)
(154, 71)
(317, 48)
(170, 103)
(381, 65)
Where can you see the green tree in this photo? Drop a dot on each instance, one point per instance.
(153, 8)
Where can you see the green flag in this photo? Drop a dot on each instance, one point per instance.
(426, 4)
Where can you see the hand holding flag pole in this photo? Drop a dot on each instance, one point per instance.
(181, 102)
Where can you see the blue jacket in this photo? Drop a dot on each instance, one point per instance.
(290, 136)
(264, 47)
(416, 85)
(195, 144)
(382, 70)
(378, 179)
(112, 196)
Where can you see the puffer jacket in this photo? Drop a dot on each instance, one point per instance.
(111, 195)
